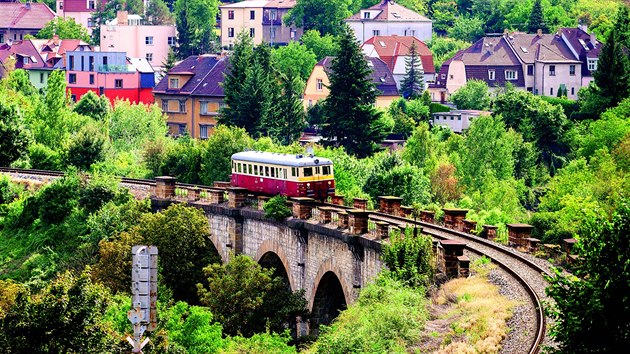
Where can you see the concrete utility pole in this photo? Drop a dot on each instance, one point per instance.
(143, 315)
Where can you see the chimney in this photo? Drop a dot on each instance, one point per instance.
(121, 18)
(539, 33)
(505, 32)
(28, 5)
(55, 38)
(583, 27)
(593, 39)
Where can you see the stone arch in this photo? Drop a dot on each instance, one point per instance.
(216, 242)
(272, 252)
(330, 295)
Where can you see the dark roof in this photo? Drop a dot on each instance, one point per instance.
(382, 76)
(27, 16)
(78, 6)
(545, 47)
(390, 11)
(390, 47)
(207, 75)
(22, 48)
(585, 45)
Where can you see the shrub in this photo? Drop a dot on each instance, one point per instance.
(44, 158)
(276, 208)
(409, 257)
(436, 107)
(57, 200)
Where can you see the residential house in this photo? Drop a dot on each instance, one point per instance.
(274, 29)
(80, 10)
(539, 63)
(317, 85)
(21, 54)
(19, 19)
(127, 33)
(242, 16)
(191, 95)
(112, 74)
(394, 50)
(457, 120)
(585, 47)
(388, 18)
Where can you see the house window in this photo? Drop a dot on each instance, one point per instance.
(572, 91)
(105, 62)
(443, 76)
(82, 63)
(252, 15)
(41, 78)
(1, 37)
(572, 70)
(320, 85)
(118, 83)
(491, 74)
(182, 106)
(60, 7)
(149, 57)
(148, 40)
(91, 79)
(366, 15)
(90, 22)
(73, 98)
(230, 32)
(72, 78)
(273, 15)
(252, 32)
(376, 32)
(203, 134)
(272, 32)
(410, 32)
(173, 83)
(25, 60)
(171, 41)
(204, 107)
(164, 105)
(71, 62)
(230, 14)
(511, 75)
(551, 91)
(222, 105)
(90, 63)
(552, 70)
(530, 70)
(91, 4)
(592, 64)
(182, 129)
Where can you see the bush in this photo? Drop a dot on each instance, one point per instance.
(436, 107)
(44, 158)
(57, 200)
(86, 148)
(410, 258)
(276, 208)
(569, 106)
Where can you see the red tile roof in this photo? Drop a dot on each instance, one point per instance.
(390, 11)
(281, 4)
(28, 16)
(389, 48)
(79, 5)
(22, 49)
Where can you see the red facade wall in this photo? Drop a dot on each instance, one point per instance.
(133, 95)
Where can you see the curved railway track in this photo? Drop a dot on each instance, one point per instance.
(527, 272)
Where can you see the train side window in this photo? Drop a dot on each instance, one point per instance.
(239, 167)
(267, 171)
(317, 170)
(249, 167)
(308, 171)
(285, 173)
(326, 170)
(256, 169)
(273, 172)
(293, 171)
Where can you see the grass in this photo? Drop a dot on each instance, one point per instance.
(478, 314)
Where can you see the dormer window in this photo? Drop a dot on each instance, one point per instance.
(367, 15)
(91, 4)
(592, 64)
(25, 60)
(173, 83)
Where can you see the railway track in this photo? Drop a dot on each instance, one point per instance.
(522, 268)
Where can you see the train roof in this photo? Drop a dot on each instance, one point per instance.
(295, 160)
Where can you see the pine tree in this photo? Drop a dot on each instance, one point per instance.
(291, 118)
(413, 83)
(240, 60)
(537, 19)
(351, 120)
(168, 63)
(622, 25)
(613, 71)
(184, 47)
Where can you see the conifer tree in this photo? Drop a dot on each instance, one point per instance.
(240, 60)
(291, 117)
(350, 119)
(537, 19)
(413, 83)
(622, 25)
(613, 71)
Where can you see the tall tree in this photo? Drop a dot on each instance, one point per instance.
(592, 306)
(65, 28)
(326, 16)
(413, 82)
(622, 24)
(322, 46)
(195, 21)
(613, 71)
(351, 120)
(291, 117)
(158, 13)
(241, 60)
(14, 138)
(91, 105)
(537, 19)
(473, 95)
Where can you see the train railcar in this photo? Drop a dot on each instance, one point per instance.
(291, 175)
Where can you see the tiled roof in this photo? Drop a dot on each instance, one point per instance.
(205, 69)
(585, 45)
(546, 47)
(390, 11)
(382, 76)
(27, 16)
(23, 48)
(281, 4)
(245, 4)
(78, 5)
(389, 48)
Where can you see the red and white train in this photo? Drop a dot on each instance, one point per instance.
(289, 175)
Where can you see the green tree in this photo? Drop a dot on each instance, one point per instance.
(592, 305)
(91, 105)
(409, 257)
(247, 298)
(468, 29)
(195, 21)
(622, 25)
(421, 148)
(65, 28)
(241, 60)
(158, 13)
(537, 19)
(351, 120)
(14, 138)
(326, 16)
(86, 147)
(18, 81)
(192, 329)
(291, 119)
(294, 60)
(66, 317)
(322, 46)
(131, 126)
(51, 130)
(217, 156)
(413, 83)
(473, 95)
(182, 236)
(444, 48)
(392, 176)
(443, 15)
(613, 71)
(276, 208)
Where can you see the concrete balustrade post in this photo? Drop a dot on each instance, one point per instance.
(427, 216)
(237, 197)
(406, 211)
(358, 221)
(216, 196)
(518, 234)
(452, 250)
(469, 226)
(454, 218)
(325, 214)
(261, 201)
(342, 223)
(165, 187)
(302, 207)
(463, 266)
(193, 193)
(360, 203)
(389, 205)
(337, 199)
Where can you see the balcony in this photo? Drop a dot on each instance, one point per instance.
(113, 69)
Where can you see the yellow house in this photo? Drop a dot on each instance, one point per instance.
(242, 16)
(191, 95)
(317, 85)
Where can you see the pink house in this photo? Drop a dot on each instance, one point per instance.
(80, 10)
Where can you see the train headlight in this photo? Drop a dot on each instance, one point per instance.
(308, 185)
(329, 183)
